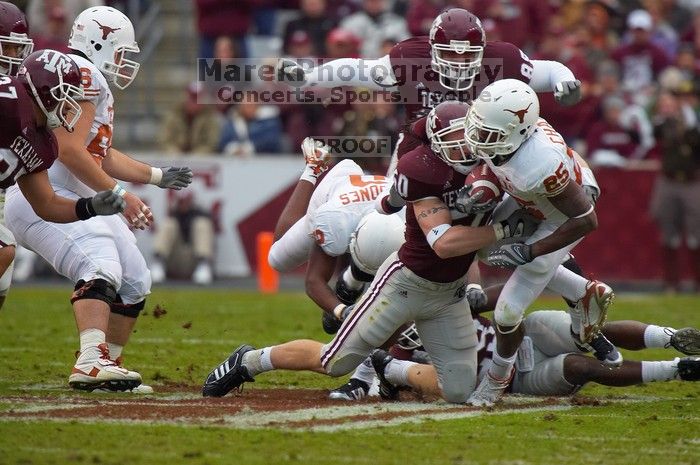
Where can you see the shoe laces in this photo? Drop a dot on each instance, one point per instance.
(104, 353)
(669, 332)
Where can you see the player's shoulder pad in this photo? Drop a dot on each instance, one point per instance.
(414, 47)
(420, 173)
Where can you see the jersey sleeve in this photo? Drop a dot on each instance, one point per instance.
(420, 175)
(90, 85)
(331, 228)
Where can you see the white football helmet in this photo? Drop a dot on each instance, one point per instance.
(106, 36)
(502, 118)
(376, 237)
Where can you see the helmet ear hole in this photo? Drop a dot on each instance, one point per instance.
(523, 131)
(98, 47)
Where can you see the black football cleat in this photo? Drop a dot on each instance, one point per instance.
(331, 324)
(686, 341)
(605, 351)
(380, 359)
(354, 389)
(689, 369)
(229, 375)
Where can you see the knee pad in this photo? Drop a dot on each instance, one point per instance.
(458, 383)
(343, 365)
(507, 316)
(98, 289)
(128, 310)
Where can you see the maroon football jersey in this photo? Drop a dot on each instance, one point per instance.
(486, 335)
(421, 174)
(420, 86)
(24, 148)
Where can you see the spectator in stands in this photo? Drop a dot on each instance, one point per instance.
(225, 48)
(315, 22)
(623, 134)
(193, 126)
(675, 202)
(520, 22)
(251, 127)
(184, 242)
(217, 18)
(662, 34)
(598, 29)
(342, 43)
(372, 24)
(53, 36)
(641, 60)
(421, 14)
(39, 14)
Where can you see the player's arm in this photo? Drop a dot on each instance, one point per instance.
(446, 240)
(372, 74)
(552, 76)
(319, 272)
(125, 168)
(575, 204)
(49, 206)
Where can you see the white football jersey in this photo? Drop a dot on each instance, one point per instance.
(340, 201)
(541, 168)
(99, 139)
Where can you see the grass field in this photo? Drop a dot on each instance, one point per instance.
(42, 421)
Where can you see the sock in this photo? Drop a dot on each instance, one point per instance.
(364, 372)
(575, 315)
(90, 339)
(115, 350)
(659, 371)
(397, 372)
(258, 361)
(501, 366)
(568, 284)
(350, 280)
(657, 337)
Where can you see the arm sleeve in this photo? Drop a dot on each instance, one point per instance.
(547, 74)
(373, 74)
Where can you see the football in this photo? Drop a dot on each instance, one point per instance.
(483, 179)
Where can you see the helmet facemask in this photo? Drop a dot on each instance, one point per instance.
(450, 144)
(122, 71)
(453, 74)
(409, 338)
(23, 46)
(487, 142)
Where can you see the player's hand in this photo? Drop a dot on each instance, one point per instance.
(107, 203)
(290, 72)
(175, 177)
(511, 255)
(317, 158)
(568, 93)
(476, 297)
(518, 224)
(137, 213)
(470, 205)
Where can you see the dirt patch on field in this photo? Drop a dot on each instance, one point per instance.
(253, 408)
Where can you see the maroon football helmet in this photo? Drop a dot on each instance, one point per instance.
(457, 42)
(445, 128)
(54, 81)
(15, 44)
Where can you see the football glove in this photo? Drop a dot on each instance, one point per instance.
(568, 93)
(469, 204)
(511, 255)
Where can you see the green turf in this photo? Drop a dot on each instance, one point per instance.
(38, 338)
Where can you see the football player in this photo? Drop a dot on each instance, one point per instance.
(424, 282)
(550, 364)
(317, 225)
(454, 62)
(544, 176)
(101, 257)
(15, 46)
(43, 96)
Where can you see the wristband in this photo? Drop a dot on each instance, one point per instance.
(119, 190)
(436, 233)
(338, 311)
(156, 176)
(498, 230)
(83, 209)
(588, 212)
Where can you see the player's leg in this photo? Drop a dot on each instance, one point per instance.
(690, 195)
(7, 260)
(667, 210)
(370, 324)
(292, 249)
(202, 234)
(448, 334)
(165, 241)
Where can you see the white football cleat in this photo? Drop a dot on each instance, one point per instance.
(202, 275)
(594, 309)
(157, 272)
(489, 390)
(94, 370)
